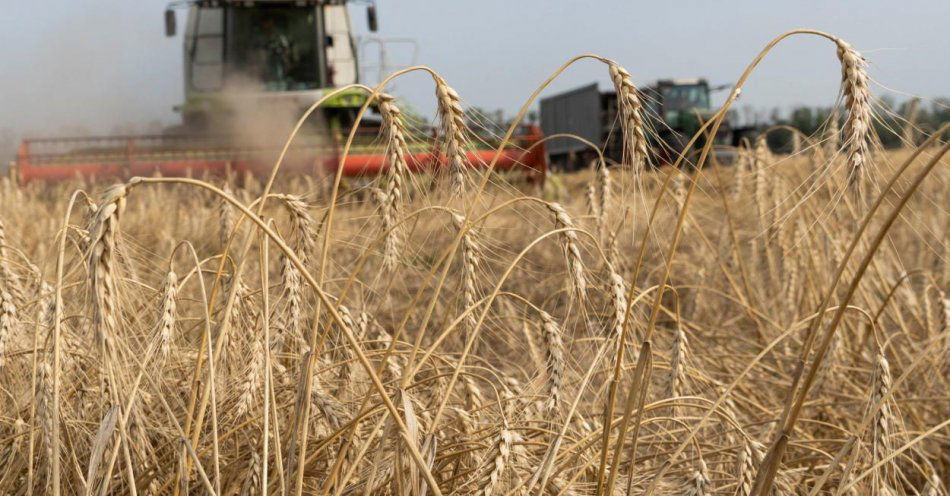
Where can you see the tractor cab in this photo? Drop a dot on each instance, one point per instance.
(679, 104)
(677, 109)
(279, 56)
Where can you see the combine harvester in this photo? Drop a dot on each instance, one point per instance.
(251, 69)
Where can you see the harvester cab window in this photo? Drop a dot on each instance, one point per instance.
(273, 48)
(208, 49)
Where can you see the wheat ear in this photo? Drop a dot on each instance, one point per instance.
(832, 134)
(249, 386)
(618, 302)
(604, 196)
(103, 234)
(500, 461)
(167, 320)
(327, 405)
(290, 280)
(470, 263)
(698, 482)
(857, 126)
(570, 242)
(750, 455)
(453, 126)
(679, 357)
(881, 384)
(8, 322)
(44, 405)
(396, 150)
(303, 230)
(8, 278)
(631, 111)
(554, 352)
(225, 218)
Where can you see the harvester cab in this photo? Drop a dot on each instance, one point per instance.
(240, 56)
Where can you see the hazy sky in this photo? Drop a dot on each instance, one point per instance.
(102, 63)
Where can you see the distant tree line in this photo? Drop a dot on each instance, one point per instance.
(896, 125)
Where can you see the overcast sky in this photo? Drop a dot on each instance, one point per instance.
(103, 63)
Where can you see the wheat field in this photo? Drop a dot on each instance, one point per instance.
(776, 326)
